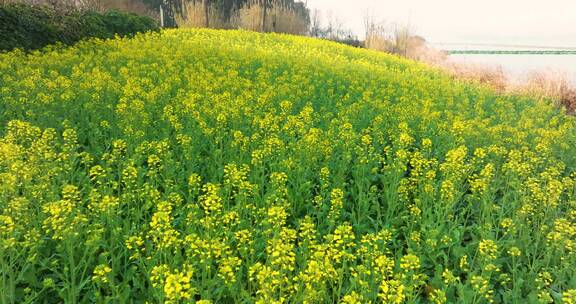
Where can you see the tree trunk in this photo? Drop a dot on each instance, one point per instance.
(264, 8)
(169, 18)
(161, 16)
(206, 13)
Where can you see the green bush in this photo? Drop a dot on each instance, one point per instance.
(33, 27)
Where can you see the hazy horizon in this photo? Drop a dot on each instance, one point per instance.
(528, 22)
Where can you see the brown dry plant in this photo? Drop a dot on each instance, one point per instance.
(195, 16)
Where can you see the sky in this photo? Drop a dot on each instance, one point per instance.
(514, 22)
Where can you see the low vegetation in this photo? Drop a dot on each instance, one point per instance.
(33, 27)
(206, 166)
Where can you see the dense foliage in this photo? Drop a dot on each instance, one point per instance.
(33, 27)
(234, 167)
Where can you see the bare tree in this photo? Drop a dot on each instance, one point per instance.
(315, 25)
(402, 34)
(335, 28)
(376, 33)
(368, 23)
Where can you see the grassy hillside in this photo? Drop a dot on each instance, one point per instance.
(234, 167)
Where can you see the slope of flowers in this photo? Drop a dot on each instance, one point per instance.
(203, 166)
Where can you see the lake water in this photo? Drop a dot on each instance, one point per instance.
(518, 66)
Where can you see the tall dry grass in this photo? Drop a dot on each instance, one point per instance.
(549, 84)
(195, 16)
(491, 75)
(376, 34)
(280, 18)
(396, 39)
(249, 16)
(541, 84)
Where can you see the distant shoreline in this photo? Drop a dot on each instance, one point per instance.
(512, 52)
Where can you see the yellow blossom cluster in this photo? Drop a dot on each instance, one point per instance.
(207, 166)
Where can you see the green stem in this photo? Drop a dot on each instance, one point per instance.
(72, 268)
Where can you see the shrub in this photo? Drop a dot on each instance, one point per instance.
(33, 27)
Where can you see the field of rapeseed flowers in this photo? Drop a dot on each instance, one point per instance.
(202, 166)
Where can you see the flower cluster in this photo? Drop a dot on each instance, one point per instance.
(205, 166)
